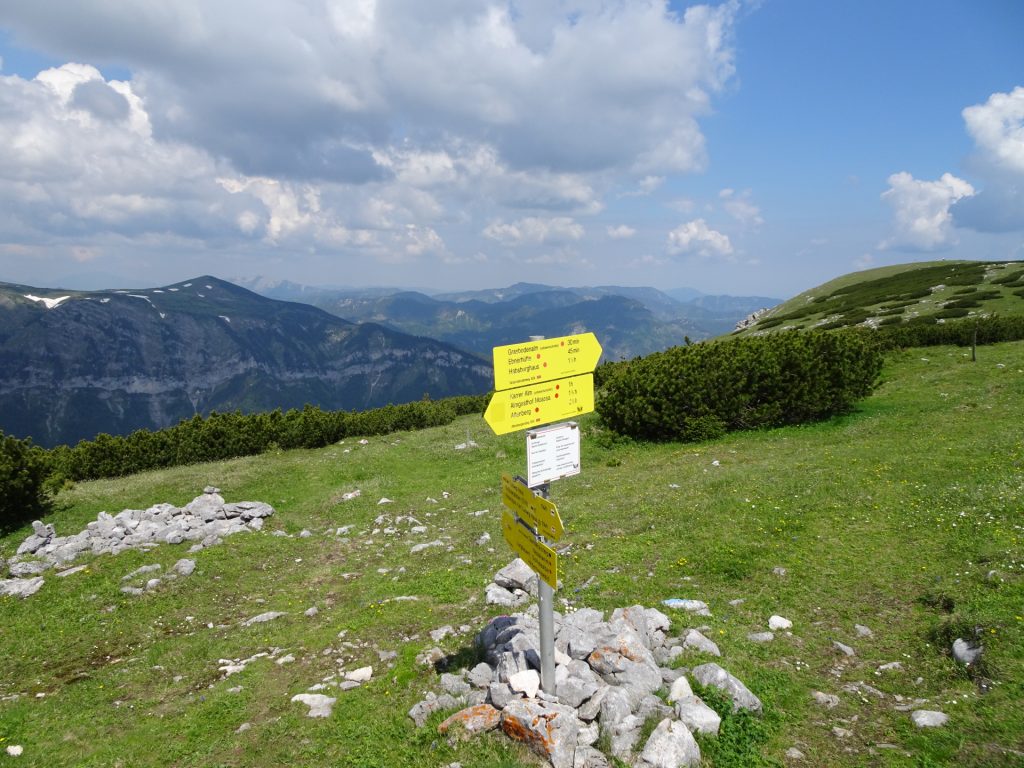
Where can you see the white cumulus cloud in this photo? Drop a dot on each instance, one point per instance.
(997, 127)
(741, 207)
(621, 232)
(921, 211)
(534, 231)
(698, 238)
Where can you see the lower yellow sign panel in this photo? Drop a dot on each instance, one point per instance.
(540, 557)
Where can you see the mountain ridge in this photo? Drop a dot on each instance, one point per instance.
(124, 359)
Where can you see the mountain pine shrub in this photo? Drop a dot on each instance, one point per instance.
(23, 470)
(704, 390)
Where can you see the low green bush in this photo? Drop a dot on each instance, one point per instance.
(23, 472)
(704, 390)
(229, 435)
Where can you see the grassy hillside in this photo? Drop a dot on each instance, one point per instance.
(904, 517)
(923, 292)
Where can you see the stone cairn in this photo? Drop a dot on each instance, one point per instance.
(205, 520)
(607, 675)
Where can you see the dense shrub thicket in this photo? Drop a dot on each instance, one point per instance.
(961, 333)
(23, 472)
(228, 435)
(704, 390)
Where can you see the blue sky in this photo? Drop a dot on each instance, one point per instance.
(736, 147)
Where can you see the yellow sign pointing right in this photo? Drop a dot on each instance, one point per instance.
(531, 362)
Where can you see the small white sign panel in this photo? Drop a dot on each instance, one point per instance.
(552, 453)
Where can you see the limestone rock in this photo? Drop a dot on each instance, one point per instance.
(550, 730)
(699, 642)
(20, 587)
(827, 700)
(926, 718)
(843, 648)
(697, 715)
(776, 622)
(319, 705)
(263, 618)
(671, 745)
(964, 651)
(472, 720)
(742, 698)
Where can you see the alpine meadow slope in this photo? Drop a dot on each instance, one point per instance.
(902, 518)
(904, 294)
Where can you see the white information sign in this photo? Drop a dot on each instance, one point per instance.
(552, 453)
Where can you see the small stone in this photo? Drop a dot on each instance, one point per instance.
(775, 623)
(843, 648)
(863, 631)
(966, 652)
(526, 682)
(671, 745)
(778, 570)
(361, 675)
(841, 733)
(699, 642)
(243, 728)
(761, 637)
(184, 567)
(794, 754)
(926, 718)
(698, 716)
(891, 666)
(680, 690)
(827, 700)
(472, 720)
(263, 618)
(20, 587)
(14, 750)
(311, 612)
(285, 659)
(319, 705)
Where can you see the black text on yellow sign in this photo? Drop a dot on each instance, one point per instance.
(536, 511)
(540, 557)
(524, 407)
(532, 362)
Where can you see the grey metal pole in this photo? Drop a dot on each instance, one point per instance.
(546, 615)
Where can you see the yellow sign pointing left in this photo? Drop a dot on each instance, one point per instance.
(525, 407)
(540, 557)
(535, 510)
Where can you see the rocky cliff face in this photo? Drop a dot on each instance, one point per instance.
(73, 364)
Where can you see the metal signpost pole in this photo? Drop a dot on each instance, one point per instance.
(546, 614)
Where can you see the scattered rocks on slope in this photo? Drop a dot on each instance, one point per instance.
(966, 652)
(206, 520)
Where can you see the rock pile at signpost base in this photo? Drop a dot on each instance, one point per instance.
(607, 675)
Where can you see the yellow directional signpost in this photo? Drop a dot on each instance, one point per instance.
(539, 556)
(545, 360)
(524, 407)
(536, 511)
(539, 382)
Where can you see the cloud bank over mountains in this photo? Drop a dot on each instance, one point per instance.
(357, 126)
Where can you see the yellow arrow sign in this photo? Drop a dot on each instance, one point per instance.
(535, 361)
(524, 407)
(540, 557)
(537, 511)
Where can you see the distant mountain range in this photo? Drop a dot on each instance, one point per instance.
(628, 321)
(77, 363)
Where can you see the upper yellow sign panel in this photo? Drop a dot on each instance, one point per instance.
(532, 362)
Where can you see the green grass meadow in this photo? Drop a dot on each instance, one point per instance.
(906, 516)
